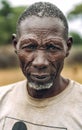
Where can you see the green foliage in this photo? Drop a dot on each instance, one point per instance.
(16, 13)
(8, 19)
(77, 40)
(6, 9)
(75, 12)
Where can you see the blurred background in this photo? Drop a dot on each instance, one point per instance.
(9, 12)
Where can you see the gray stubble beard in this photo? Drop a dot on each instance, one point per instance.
(39, 86)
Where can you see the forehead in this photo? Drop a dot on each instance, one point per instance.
(40, 24)
(32, 21)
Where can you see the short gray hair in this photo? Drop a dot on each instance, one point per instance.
(42, 9)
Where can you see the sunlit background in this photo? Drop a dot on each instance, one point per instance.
(10, 10)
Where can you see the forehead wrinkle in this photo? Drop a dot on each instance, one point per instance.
(42, 35)
(41, 23)
(43, 32)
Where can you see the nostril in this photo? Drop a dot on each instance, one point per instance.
(40, 66)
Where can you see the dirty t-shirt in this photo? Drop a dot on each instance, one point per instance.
(19, 111)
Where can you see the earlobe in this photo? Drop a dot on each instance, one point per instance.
(14, 40)
(69, 45)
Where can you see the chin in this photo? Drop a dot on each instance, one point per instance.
(38, 87)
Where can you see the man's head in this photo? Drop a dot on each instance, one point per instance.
(42, 44)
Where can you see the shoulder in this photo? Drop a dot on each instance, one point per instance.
(76, 88)
(5, 90)
(75, 84)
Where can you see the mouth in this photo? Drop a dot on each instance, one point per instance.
(41, 78)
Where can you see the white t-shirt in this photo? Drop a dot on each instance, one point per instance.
(19, 111)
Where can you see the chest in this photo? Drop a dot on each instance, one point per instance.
(53, 117)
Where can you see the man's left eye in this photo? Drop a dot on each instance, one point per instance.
(52, 47)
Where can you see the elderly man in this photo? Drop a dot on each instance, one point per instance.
(45, 100)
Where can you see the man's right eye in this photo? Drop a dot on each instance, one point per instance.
(29, 47)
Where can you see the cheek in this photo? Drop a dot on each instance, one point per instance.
(57, 62)
(56, 58)
(25, 60)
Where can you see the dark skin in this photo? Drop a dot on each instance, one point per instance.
(41, 48)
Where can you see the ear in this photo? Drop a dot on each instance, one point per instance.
(14, 41)
(69, 45)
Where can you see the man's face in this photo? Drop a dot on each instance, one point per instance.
(41, 49)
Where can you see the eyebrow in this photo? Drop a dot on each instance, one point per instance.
(27, 40)
(58, 41)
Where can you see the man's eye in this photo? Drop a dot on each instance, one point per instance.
(52, 47)
(30, 47)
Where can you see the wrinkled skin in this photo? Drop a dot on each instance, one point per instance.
(41, 49)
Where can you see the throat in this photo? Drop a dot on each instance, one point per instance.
(40, 94)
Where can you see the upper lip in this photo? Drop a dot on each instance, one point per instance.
(40, 76)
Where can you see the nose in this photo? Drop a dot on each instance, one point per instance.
(40, 61)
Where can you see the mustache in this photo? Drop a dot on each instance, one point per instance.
(30, 70)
